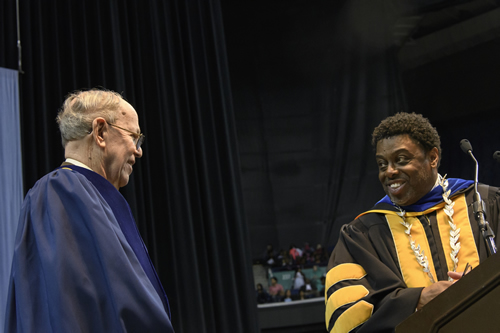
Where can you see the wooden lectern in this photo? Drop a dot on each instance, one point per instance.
(470, 305)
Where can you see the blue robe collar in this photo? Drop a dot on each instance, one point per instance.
(434, 197)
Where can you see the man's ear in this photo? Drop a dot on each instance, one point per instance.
(434, 157)
(100, 131)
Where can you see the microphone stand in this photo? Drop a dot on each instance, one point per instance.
(479, 210)
(479, 207)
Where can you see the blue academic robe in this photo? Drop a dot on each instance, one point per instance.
(79, 263)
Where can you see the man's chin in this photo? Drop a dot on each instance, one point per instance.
(124, 181)
(399, 201)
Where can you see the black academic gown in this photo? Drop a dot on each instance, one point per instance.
(373, 282)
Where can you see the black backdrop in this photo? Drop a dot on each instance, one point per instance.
(310, 82)
(290, 112)
(168, 59)
(311, 79)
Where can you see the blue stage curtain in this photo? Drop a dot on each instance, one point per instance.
(11, 184)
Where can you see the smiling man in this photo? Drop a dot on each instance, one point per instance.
(412, 245)
(79, 263)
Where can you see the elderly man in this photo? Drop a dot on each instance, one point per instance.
(393, 259)
(80, 264)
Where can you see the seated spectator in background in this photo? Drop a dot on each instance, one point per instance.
(280, 297)
(269, 256)
(286, 261)
(279, 257)
(320, 255)
(274, 289)
(308, 289)
(288, 296)
(295, 253)
(302, 295)
(307, 254)
(307, 248)
(315, 278)
(299, 279)
(262, 295)
(322, 288)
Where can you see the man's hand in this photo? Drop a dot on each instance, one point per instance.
(429, 293)
(455, 275)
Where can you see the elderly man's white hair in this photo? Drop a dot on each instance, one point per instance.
(81, 108)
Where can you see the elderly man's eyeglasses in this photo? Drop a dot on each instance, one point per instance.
(138, 138)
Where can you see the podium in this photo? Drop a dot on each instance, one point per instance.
(472, 304)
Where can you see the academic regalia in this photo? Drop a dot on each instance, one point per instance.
(79, 263)
(373, 278)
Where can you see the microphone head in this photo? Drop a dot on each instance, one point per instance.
(496, 156)
(466, 146)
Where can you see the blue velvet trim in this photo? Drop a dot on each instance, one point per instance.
(432, 198)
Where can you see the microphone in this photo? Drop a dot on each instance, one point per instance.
(496, 156)
(478, 205)
(466, 147)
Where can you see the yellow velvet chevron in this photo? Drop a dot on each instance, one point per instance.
(353, 317)
(342, 297)
(342, 272)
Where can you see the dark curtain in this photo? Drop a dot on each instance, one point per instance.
(454, 93)
(311, 80)
(168, 59)
(366, 89)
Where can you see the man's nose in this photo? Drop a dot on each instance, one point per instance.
(391, 170)
(138, 152)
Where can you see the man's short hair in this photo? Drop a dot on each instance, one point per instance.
(415, 125)
(81, 108)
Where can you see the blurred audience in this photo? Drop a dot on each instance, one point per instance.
(262, 295)
(308, 289)
(320, 255)
(295, 259)
(281, 296)
(288, 260)
(270, 257)
(274, 289)
(322, 288)
(295, 253)
(299, 279)
(288, 296)
(315, 278)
